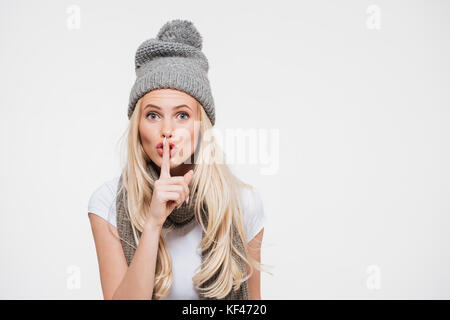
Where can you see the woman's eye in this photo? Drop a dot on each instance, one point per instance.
(184, 113)
(151, 113)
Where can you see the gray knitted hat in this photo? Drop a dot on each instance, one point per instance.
(173, 60)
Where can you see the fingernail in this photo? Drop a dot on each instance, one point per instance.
(187, 201)
(164, 141)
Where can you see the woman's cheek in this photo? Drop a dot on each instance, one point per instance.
(187, 148)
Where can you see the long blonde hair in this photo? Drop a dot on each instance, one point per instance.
(217, 187)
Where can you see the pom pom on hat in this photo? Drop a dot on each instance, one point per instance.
(182, 31)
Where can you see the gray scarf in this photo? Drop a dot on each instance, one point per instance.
(178, 218)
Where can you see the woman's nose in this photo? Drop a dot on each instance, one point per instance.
(167, 135)
(166, 130)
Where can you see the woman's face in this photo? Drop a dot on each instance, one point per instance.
(172, 114)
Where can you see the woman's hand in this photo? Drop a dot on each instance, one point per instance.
(168, 192)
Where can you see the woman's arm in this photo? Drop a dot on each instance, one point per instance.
(254, 282)
(120, 281)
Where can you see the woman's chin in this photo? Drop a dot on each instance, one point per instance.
(175, 160)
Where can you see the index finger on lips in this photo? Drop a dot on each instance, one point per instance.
(165, 166)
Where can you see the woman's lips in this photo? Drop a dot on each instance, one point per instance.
(160, 145)
(171, 151)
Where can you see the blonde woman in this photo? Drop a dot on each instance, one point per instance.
(176, 224)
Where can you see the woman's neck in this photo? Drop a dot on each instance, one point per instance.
(182, 169)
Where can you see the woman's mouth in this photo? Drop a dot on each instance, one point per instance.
(159, 149)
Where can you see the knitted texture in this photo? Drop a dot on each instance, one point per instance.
(177, 219)
(173, 60)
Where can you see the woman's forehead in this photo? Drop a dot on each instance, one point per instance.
(163, 95)
(167, 99)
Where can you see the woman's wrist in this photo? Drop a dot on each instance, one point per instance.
(150, 224)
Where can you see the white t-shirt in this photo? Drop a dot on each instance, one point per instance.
(182, 242)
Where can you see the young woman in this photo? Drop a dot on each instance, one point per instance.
(176, 224)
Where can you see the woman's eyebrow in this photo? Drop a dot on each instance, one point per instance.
(177, 107)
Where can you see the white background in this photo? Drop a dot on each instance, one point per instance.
(358, 205)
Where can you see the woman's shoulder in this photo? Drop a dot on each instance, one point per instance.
(102, 200)
(252, 210)
(250, 197)
(107, 188)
